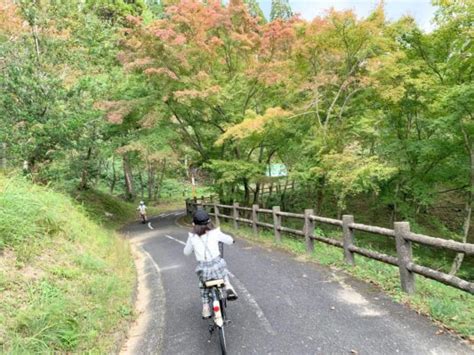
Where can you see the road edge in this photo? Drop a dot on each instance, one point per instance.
(145, 335)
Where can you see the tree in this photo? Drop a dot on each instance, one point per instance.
(255, 10)
(280, 10)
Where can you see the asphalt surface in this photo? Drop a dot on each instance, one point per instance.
(285, 306)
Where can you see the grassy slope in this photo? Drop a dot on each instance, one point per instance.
(66, 281)
(449, 307)
(114, 213)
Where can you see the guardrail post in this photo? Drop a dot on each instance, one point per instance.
(309, 230)
(276, 223)
(255, 219)
(404, 253)
(235, 214)
(348, 235)
(216, 214)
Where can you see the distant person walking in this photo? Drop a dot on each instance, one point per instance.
(142, 210)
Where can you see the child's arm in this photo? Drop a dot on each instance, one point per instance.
(225, 238)
(188, 248)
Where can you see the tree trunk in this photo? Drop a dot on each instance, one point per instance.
(393, 215)
(85, 171)
(160, 180)
(142, 185)
(99, 171)
(4, 156)
(320, 197)
(114, 176)
(127, 172)
(469, 200)
(256, 193)
(247, 192)
(151, 181)
(283, 195)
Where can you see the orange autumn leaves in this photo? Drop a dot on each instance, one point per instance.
(216, 62)
(11, 23)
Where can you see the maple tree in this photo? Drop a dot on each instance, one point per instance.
(355, 108)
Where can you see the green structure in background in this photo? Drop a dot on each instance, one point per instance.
(276, 170)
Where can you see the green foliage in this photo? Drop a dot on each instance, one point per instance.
(67, 281)
(116, 10)
(280, 10)
(229, 173)
(350, 173)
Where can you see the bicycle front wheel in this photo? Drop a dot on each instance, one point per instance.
(222, 341)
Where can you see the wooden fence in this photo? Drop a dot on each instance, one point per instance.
(401, 233)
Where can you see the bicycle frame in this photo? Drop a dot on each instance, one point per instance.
(218, 306)
(219, 316)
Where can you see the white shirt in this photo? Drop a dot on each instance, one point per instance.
(206, 247)
(142, 209)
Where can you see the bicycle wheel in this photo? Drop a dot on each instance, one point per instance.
(222, 341)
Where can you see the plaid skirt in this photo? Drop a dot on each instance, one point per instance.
(213, 269)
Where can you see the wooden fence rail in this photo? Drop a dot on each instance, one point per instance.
(401, 233)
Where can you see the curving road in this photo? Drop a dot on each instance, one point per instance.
(286, 306)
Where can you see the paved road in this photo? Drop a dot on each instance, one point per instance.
(286, 306)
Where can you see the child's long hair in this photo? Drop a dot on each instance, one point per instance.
(202, 229)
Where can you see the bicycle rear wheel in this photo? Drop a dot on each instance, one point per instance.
(222, 341)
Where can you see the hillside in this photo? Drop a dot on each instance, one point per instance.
(68, 281)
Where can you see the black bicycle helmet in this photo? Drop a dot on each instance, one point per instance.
(201, 218)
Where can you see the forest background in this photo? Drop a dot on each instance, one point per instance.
(369, 116)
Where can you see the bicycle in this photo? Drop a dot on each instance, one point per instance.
(219, 304)
(143, 218)
(218, 301)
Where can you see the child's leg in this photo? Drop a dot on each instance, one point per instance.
(227, 282)
(206, 310)
(204, 295)
(231, 294)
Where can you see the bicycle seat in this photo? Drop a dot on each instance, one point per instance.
(214, 283)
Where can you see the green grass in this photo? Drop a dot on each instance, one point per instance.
(451, 308)
(66, 281)
(112, 212)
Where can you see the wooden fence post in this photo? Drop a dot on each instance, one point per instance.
(276, 223)
(404, 253)
(348, 234)
(309, 230)
(255, 219)
(235, 214)
(216, 214)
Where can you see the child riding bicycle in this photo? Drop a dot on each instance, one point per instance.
(142, 211)
(204, 241)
